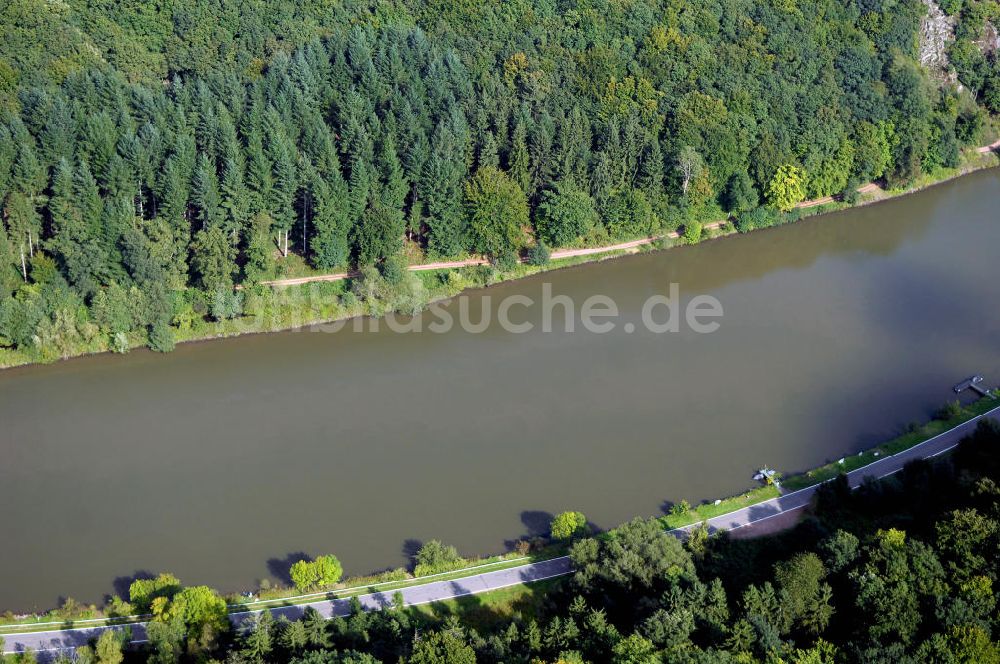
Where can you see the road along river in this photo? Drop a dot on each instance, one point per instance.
(224, 460)
(54, 640)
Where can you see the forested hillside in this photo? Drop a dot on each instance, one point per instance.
(154, 155)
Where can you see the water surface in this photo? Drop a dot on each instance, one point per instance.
(219, 460)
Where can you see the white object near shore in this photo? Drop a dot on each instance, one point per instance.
(841, 461)
(718, 501)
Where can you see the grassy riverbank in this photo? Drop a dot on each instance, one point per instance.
(916, 434)
(76, 615)
(950, 417)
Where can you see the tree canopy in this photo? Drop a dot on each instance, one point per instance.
(162, 148)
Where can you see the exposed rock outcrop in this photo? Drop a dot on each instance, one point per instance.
(937, 30)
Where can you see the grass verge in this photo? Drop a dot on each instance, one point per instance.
(915, 436)
(489, 609)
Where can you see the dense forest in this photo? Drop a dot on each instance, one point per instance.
(900, 570)
(155, 155)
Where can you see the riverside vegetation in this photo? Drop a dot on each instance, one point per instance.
(153, 157)
(901, 570)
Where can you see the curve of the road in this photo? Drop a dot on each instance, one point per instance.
(56, 640)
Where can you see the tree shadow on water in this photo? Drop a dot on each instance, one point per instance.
(410, 548)
(280, 568)
(536, 522)
(121, 584)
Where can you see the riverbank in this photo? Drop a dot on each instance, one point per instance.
(752, 507)
(953, 416)
(299, 302)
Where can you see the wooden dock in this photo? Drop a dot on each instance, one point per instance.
(974, 385)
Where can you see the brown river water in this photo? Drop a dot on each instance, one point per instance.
(220, 460)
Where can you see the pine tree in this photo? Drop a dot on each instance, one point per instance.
(137, 157)
(173, 190)
(28, 174)
(394, 185)
(259, 178)
(518, 161)
(441, 187)
(235, 200)
(317, 143)
(229, 143)
(488, 152)
(379, 235)
(12, 270)
(542, 138)
(62, 209)
(213, 259)
(8, 152)
(76, 209)
(652, 169)
(59, 134)
(574, 147)
(360, 189)
(205, 193)
(98, 145)
(22, 221)
(281, 153)
(331, 222)
(88, 199)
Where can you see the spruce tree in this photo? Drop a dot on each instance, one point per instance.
(441, 187)
(205, 193)
(518, 160)
(235, 200)
(394, 185)
(281, 153)
(260, 181)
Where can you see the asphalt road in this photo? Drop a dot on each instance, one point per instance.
(55, 640)
(885, 466)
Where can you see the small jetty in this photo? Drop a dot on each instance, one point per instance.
(973, 384)
(766, 475)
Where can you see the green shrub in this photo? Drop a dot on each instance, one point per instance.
(680, 509)
(322, 572)
(740, 196)
(760, 217)
(434, 557)
(393, 270)
(692, 232)
(538, 254)
(161, 338)
(142, 592)
(949, 411)
(568, 525)
(850, 194)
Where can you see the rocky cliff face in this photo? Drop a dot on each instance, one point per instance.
(990, 40)
(936, 31)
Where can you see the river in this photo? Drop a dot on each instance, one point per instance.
(222, 460)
